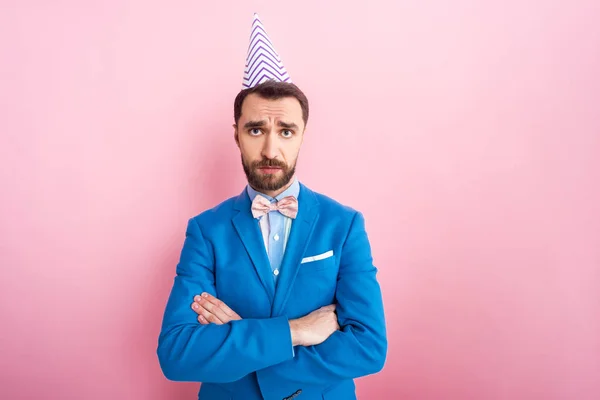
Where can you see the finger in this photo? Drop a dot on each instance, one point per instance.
(202, 320)
(217, 307)
(211, 313)
(213, 307)
(196, 307)
(204, 313)
(208, 316)
(219, 303)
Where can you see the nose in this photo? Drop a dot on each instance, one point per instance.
(270, 149)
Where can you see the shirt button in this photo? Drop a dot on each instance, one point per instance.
(276, 237)
(276, 272)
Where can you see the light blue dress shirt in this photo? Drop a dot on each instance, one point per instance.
(275, 226)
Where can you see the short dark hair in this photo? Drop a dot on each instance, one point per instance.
(272, 90)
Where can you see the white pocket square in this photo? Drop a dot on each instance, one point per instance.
(327, 254)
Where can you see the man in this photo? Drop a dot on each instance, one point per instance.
(276, 295)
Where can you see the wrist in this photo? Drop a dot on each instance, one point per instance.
(296, 332)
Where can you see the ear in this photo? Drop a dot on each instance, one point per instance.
(235, 135)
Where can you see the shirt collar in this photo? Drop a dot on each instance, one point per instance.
(293, 190)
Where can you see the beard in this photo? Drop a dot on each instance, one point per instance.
(268, 182)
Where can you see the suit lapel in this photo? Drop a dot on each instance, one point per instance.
(248, 229)
(300, 234)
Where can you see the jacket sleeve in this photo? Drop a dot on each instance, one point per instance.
(360, 347)
(189, 351)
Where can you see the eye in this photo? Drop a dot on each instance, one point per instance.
(287, 133)
(255, 131)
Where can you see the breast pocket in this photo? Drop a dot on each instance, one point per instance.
(317, 262)
(315, 284)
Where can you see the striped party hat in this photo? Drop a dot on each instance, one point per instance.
(262, 62)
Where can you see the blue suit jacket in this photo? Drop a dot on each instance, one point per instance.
(252, 358)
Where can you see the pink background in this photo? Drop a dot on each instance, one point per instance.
(468, 133)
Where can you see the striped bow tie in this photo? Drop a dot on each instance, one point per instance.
(288, 206)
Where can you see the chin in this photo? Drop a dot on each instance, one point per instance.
(268, 179)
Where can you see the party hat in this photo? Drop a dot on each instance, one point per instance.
(262, 61)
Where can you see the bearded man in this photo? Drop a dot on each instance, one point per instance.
(275, 294)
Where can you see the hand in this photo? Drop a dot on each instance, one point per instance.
(315, 327)
(212, 310)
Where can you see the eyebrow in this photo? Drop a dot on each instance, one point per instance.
(260, 124)
(288, 125)
(254, 124)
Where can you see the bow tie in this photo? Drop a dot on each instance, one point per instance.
(287, 206)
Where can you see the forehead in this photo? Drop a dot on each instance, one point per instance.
(258, 108)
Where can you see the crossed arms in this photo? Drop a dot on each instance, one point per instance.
(343, 341)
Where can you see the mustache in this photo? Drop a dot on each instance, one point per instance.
(269, 163)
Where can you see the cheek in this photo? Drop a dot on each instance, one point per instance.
(250, 149)
(291, 152)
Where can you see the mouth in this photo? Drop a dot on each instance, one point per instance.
(269, 170)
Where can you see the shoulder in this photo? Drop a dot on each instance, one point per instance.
(333, 207)
(216, 214)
